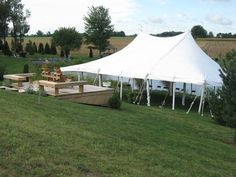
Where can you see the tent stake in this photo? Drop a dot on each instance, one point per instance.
(173, 97)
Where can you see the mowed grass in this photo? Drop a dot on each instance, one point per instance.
(59, 138)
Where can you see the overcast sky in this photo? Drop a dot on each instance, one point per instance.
(132, 16)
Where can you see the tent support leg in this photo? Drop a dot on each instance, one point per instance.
(121, 87)
(201, 100)
(184, 94)
(100, 80)
(173, 97)
(148, 93)
(132, 85)
(78, 76)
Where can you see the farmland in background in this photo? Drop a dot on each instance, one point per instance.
(214, 47)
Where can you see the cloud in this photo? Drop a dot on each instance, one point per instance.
(218, 19)
(162, 1)
(50, 15)
(216, 0)
(155, 20)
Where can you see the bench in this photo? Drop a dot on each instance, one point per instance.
(16, 78)
(60, 85)
(19, 78)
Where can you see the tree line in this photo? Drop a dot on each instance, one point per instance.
(12, 13)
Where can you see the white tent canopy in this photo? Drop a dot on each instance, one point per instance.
(174, 59)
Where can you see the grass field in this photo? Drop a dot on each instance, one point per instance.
(59, 138)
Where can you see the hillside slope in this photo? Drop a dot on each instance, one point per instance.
(58, 138)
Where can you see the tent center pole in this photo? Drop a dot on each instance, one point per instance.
(173, 97)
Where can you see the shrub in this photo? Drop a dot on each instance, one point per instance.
(114, 102)
(30, 90)
(234, 136)
(216, 105)
(26, 68)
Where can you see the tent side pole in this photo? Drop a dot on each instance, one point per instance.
(78, 76)
(121, 87)
(173, 97)
(148, 93)
(201, 100)
(100, 80)
(184, 94)
(132, 88)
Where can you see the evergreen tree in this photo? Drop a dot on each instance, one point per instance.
(30, 48)
(62, 53)
(228, 93)
(41, 48)
(47, 49)
(35, 48)
(6, 49)
(53, 49)
(90, 53)
(1, 44)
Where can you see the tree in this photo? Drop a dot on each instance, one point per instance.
(18, 18)
(47, 49)
(39, 33)
(30, 48)
(53, 49)
(98, 28)
(198, 32)
(4, 18)
(1, 45)
(41, 48)
(228, 93)
(67, 39)
(35, 47)
(6, 49)
(210, 34)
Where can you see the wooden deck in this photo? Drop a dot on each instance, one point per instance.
(90, 94)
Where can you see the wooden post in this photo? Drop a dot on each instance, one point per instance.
(81, 88)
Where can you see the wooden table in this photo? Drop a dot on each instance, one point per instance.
(60, 85)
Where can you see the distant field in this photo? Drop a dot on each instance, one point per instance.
(213, 47)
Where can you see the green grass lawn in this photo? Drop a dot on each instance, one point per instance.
(59, 138)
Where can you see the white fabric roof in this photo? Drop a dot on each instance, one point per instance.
(175, 59)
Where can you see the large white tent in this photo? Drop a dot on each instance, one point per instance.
(174, 59)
